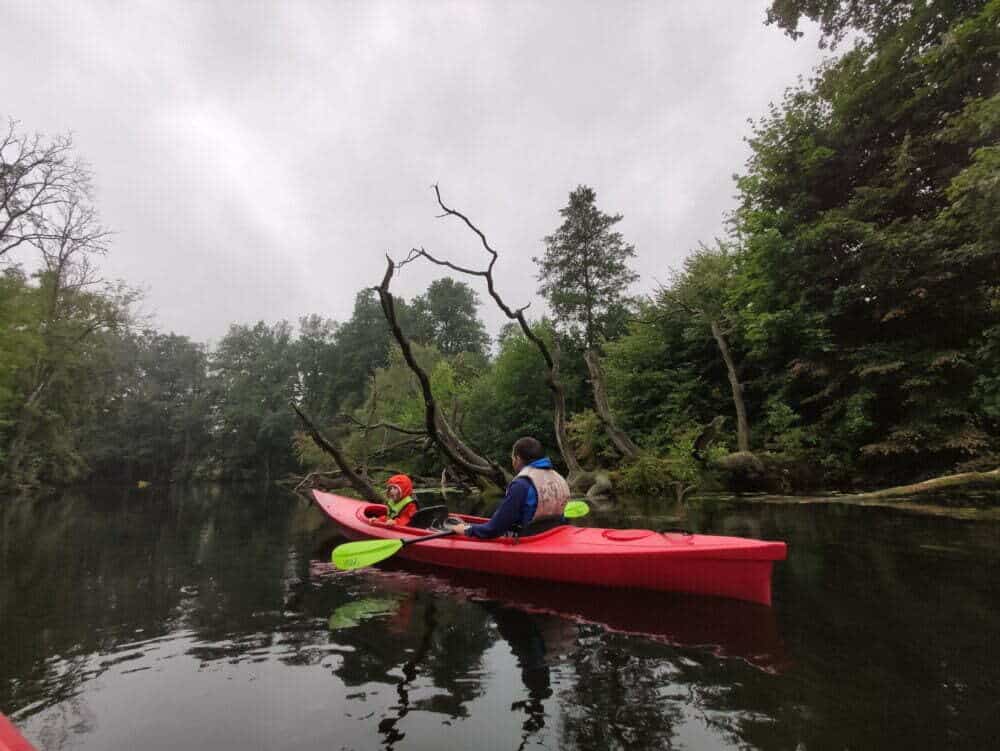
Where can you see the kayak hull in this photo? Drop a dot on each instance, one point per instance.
(11, 739)
(730, 567)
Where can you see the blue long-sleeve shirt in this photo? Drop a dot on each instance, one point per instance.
(518, 507)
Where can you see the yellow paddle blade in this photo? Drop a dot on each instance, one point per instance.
(576, 509)
(352, 555)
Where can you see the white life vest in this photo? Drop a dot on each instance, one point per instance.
(552, 489)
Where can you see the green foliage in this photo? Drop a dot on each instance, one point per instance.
(868, 219)
(784, 427)
(20, 339)
(647, 474)
(154, 424)
(584, 271)
(662, 380)
(447, 317)
(255, 375)
(878, 19)
(511, 400)
(590, 441)
(55, 334)
(655, 474)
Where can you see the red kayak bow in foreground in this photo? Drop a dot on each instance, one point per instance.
(732, 567)
(10, 739)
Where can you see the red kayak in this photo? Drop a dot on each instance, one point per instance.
(10, 739)
(732, 567)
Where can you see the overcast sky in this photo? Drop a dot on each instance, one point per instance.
(256, 161)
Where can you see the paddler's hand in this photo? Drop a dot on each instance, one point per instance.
(458, 529)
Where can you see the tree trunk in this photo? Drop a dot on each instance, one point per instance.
(573, 468)
(361, 484)
(742, 425)
(618, 437)
(947, 482)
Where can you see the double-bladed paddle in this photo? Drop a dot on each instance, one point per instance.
(364, 553)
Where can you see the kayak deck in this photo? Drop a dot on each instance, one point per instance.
(731, 567)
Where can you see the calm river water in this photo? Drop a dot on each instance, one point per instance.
(210, 618)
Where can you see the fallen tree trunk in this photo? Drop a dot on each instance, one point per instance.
(948, 482)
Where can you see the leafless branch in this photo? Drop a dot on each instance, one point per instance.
(360, 483)
(36, 178)
(387, 425)
(551, 363)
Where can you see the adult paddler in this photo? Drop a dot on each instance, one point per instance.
(538, 492)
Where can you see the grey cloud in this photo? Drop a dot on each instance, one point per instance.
(257, 160)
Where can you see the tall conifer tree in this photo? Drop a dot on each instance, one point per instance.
(584, 272)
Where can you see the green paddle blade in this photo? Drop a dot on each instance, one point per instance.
(576, 509)
(352, 555)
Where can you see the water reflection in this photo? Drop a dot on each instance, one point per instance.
(728, 628)
(546, 629)
(208, 619)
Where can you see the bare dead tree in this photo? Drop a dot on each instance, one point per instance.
(36, 178)
(552, 381)
(438, 428)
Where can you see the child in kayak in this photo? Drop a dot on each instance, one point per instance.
(538, 492)
(400, 504)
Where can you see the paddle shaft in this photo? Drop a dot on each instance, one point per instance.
(428, 537)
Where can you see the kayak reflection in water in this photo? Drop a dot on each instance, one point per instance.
(400, 503)
(537, 493)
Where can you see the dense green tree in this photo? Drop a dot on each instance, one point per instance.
(62, 316)
(868, 285)
(877, 19)
(20, 342)
(361, 345)
(319, 364)
(255, 375)
(584, 271)
(584, 275)
(702, 291)
(511, 400)
(662, 380)
(448, 310)
(155, 407)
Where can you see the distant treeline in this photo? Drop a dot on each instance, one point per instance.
(849, 323)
